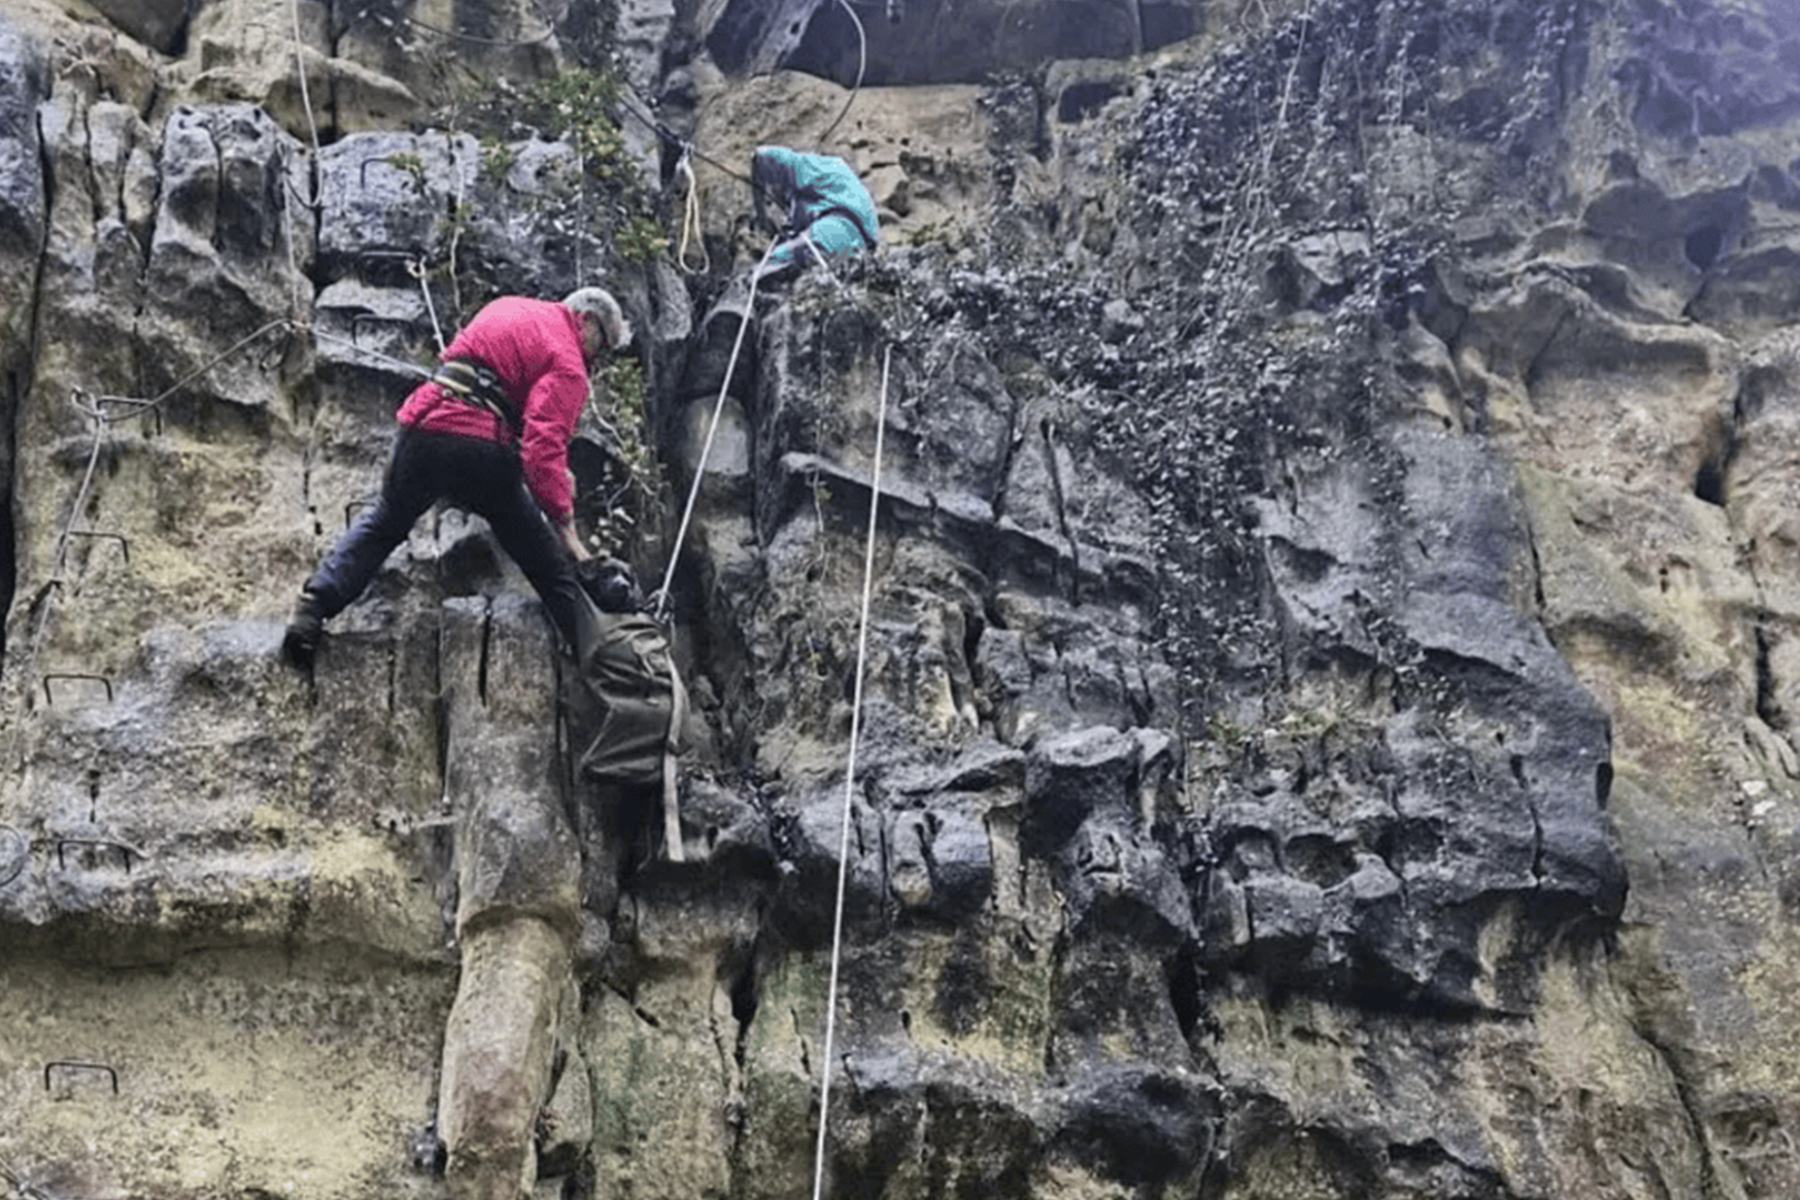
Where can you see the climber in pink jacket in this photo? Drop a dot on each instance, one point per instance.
(489, 432)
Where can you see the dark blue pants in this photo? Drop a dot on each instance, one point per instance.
(476, 476)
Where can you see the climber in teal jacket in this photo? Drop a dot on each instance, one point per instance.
(829, 211)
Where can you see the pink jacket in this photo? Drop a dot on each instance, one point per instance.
(534, 346)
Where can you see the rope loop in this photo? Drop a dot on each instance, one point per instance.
(690, 216)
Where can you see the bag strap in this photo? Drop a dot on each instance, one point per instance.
(671, 775)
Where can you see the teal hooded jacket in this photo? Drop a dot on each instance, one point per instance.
(825, 199)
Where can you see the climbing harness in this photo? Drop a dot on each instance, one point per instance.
(476, 384)
(862, 651)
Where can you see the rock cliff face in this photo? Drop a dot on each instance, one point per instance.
(1330, 687)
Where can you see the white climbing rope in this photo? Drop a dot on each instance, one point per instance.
(862, 650)
(687, 513)
(823, 263)
(388, 360)
(312, 123)
(862, 63)
(315, 202)
(416, 268)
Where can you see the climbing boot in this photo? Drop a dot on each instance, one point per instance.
(304, 629)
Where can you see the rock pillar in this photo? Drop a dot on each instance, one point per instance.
(498, 1050)
(518, 904)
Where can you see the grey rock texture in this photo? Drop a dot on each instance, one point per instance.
(1327, 707)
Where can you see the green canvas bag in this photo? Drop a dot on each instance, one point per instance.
(627, 703)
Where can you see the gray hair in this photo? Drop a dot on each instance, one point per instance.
(598, 302)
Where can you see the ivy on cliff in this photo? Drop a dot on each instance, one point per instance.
(1340, 129)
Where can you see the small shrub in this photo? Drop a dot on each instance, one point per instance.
(412, 164)
(577, 105)
(640, 239)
